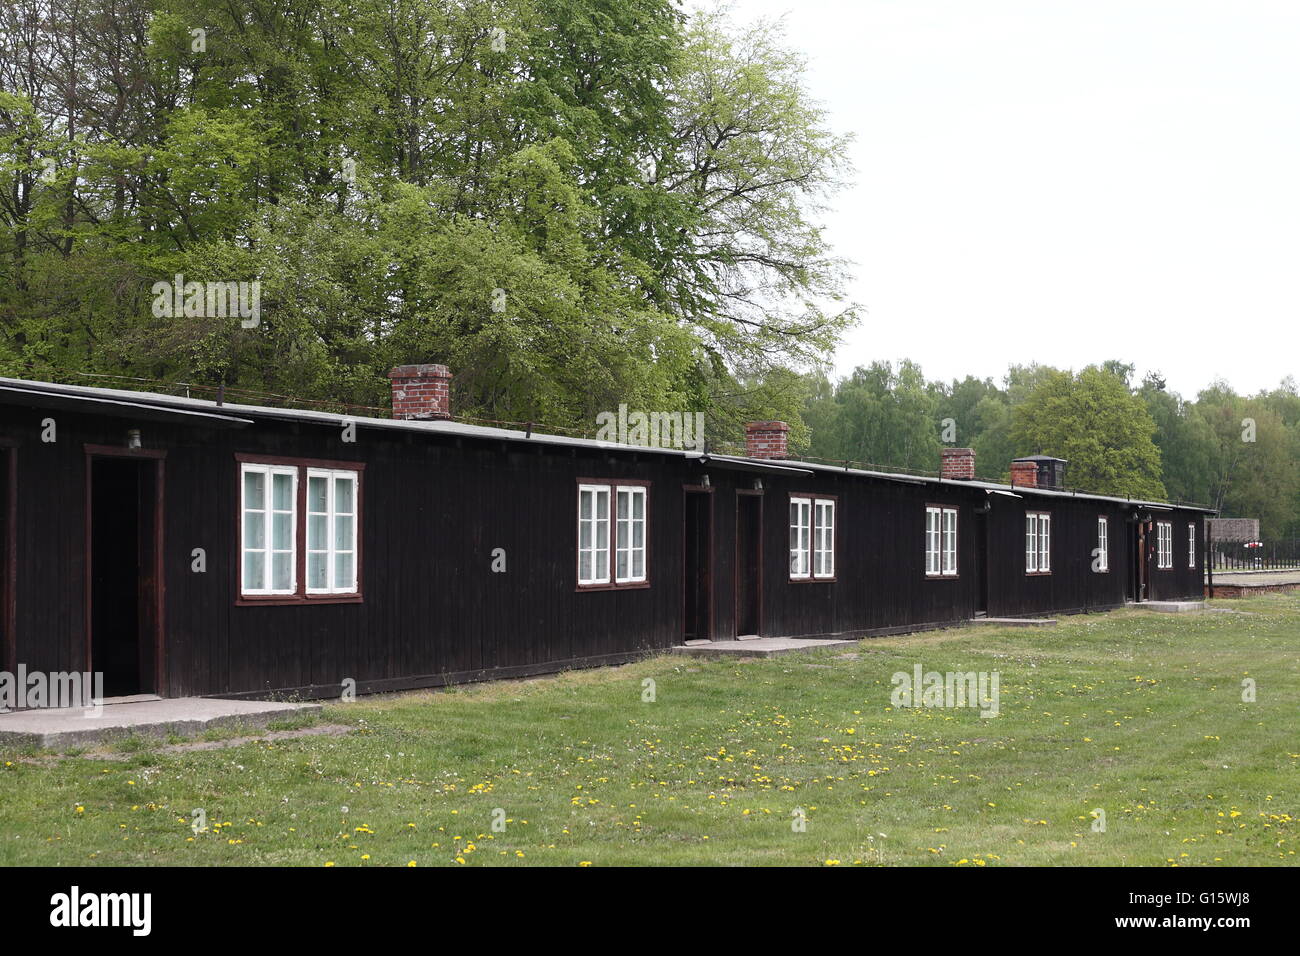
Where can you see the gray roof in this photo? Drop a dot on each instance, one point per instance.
(994, 487)
(146, 404)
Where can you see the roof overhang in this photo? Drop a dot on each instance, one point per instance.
(140, 411)
(749, 464)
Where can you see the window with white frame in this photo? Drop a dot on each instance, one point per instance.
(612, 534)
(299, 529)
(629, 543)
(1191, 545)
(1164, 545)
(1038, 542)
(812, 538)
(1103, 545)
(940, 541)
(823, 538)
(268, 501)
(800, 534)
(331, 531)
(593, 534)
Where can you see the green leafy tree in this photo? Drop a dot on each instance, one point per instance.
(1093, 420)
(882, 416)
(1187, 443)
(1253, 473)
(639, 185)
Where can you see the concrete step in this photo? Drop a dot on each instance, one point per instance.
(757, 647)
(1172, 607)
(1015, 621)
(64, 727)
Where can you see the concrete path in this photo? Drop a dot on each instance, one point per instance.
(60, 728)
(1015, 621)
(1256, 578)
(756, 647)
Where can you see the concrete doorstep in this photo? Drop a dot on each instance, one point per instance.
(64, 727)
(1172, 607)
(1015, 621)
(756, 647)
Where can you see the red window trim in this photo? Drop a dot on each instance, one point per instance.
(301, 597)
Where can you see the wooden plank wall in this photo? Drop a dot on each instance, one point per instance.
(435, 507)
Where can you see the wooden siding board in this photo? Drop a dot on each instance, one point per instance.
(435, 507)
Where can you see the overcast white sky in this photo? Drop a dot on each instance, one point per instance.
(1066, 181)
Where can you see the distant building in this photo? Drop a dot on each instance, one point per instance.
(1232, 530)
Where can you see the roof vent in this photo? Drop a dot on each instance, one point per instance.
(1041, 471)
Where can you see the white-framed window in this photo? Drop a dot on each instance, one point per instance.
(331, 531)
(940, 541)
(1164, 545)
(1038, 542)
(812, 538)
(823, 538)
(1103, 544)
(593, 534)
(800, 537)
(299, 533)
(268, 498)
(612, 534)
(950, 541)
(1191, 545)
(629, 544)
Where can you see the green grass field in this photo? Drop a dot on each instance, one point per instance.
(1139, 715)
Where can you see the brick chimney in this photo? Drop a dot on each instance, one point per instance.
(421, 392)
(957, 463)
(766, 440)
(1024, 474)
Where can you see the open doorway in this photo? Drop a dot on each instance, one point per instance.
(124, 571)
(697, 565)
(749, 563)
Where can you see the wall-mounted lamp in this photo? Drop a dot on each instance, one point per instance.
(133, 442)
(704, 482)
(758, 484)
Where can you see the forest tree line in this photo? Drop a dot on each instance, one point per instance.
(574, 204)
(1233, 452)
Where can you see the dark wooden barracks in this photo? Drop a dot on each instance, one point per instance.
(184, 547)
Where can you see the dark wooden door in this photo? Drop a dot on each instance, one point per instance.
(1142, 561)
(697, 535)
(749, 564)
(981, 562)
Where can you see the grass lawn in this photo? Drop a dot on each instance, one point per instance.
(1136, 714)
